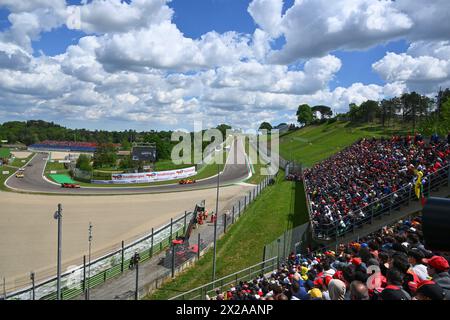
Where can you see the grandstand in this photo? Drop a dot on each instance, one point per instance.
(69, 146)
(404, 269)
(369, 178)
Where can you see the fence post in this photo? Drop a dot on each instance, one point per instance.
(232, 218)
(198, 247)
(429, 185)
(245, 202)
(173, 260)
(224, 223)
(151, 245)
(264, 259)
(184, 228)
(171, 228)
(122, 257)
(239, 208)
(84, 273)
(409, 195)
(33, 292)
(278, 258)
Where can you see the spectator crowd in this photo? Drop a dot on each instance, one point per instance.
(390, 264)
(340, 187)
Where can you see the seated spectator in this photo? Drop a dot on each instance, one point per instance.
(394, 290)
(429, 290)
(336, 289)
(437, 268)
(359, 291)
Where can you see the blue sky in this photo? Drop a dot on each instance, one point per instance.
(196, 17)
(185, 71)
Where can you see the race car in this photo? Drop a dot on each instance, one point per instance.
(20, 175)
(187, 181)
(70, 185)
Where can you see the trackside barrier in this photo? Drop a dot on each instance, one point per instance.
(247, 274)
(73, 282)
(384, 206)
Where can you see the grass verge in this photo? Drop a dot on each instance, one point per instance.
(262, 222)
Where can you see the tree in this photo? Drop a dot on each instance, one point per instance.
(415, 106)
(304, 114)
(84, 163)
(354, 112)
(369, 110)
(325, 111)
(105, 156)
(441, 98)
(265, 126)
(223, 129)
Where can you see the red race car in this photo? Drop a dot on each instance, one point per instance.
(70, 185)
(187, 181)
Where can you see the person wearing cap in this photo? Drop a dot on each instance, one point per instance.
(437, 268)
(429, 290)
(315, 294)
(415, 257)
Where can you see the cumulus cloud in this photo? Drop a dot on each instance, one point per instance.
(112, 16)
(267, 14)
(134, 64)
(315, 27)
(423, 67)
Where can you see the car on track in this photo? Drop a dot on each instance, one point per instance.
(187, 181)
(70, 185)
(20, 174)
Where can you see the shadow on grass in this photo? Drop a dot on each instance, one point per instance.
(298, 213)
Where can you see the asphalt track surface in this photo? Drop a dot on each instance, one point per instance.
(27, 227)
(236, 170)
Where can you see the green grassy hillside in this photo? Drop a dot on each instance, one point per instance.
(314, 143)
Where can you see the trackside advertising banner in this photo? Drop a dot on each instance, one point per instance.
(146, 177)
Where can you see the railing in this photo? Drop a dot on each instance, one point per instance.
(385, 205)
(221, 284)
(75, 282)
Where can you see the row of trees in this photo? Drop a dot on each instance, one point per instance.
(33, 131)
(420, 111)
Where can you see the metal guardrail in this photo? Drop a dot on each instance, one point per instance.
(246, 274)
(384, 205)
(73, 282)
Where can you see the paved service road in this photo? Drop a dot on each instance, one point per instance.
(236, 170)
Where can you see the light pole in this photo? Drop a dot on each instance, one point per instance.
(58, 216)
(215, 224)
(32, 285)
(89, 263)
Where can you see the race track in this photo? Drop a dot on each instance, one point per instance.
(236, 170)
(28, 230)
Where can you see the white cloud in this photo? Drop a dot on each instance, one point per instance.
(315, 27)
(112, 16)
(267, 14)
(424, 66)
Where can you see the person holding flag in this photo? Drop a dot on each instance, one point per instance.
(418, 186)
